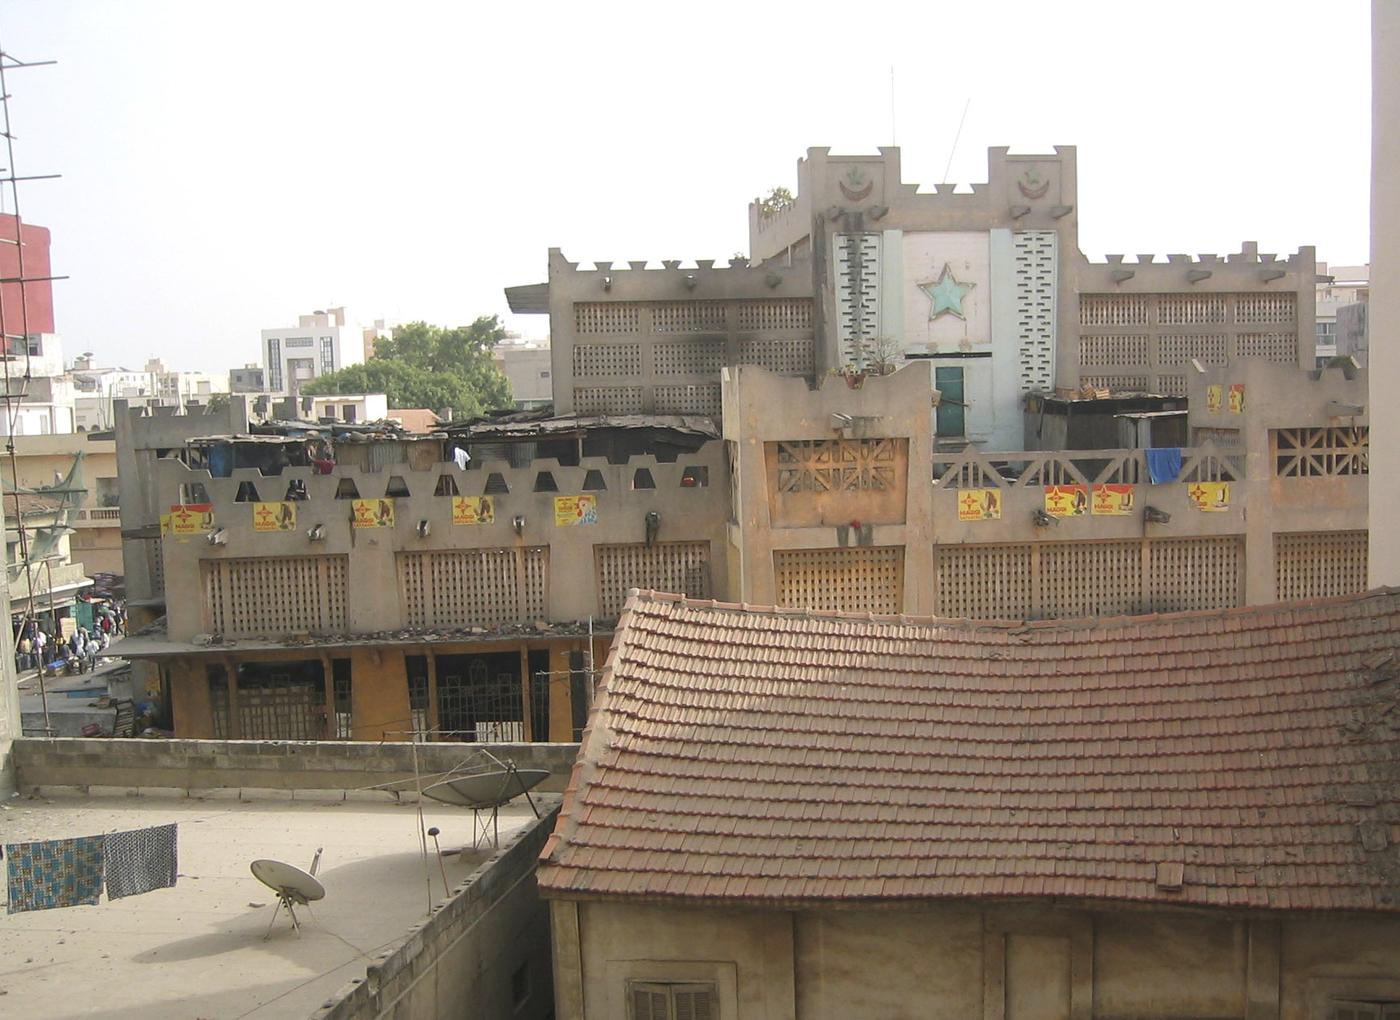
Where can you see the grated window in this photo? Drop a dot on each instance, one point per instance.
(607, 359)
(607, 399)
(1178, 350)
(1280, 347)
(1266, 308)
(688, 317)
(703, 398)
(682, 568)
(786, 357)
(775, 314)
(474, 587)
(1171, 385)
(689, 357)
(857, 296)
(275, 596)
(983, 582)
(1113, 350)
(1114, 309)
(602, 317)
(860, 579)
(1190, 309)
(1319, 564)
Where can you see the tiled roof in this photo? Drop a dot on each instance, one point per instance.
(768, 756)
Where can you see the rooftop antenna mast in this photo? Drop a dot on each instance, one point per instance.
(893, 136)
(958, 134)
(15, 346)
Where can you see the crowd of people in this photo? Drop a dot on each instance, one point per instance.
(77, 653)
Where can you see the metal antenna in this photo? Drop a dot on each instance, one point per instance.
(893, 136)
(948, 169)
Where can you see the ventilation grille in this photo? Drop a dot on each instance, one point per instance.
(1195, 573)
(1171, 385)
(1326, 452)
(1191, 309)
(1178, 350)
(275, 595)
(1090, 578)
(678, 567)
(786, 357)
(862, 580)
(1280, 347)
(1114, 309)
(607, 399)
(1113, 350)
(603, 317)
(688, 317)
(1266, 308)
(689, 357)
(857, 296)
(1117, 383)
(474, 587)
(983, 582)
(775, 314)
(1319, 564)
(607, 359)
(1035, 308)
(702, 399)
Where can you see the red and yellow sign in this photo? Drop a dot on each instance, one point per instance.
(1212, 497)
(274, 516)
(979, 505)
(191, 518)
(1214, 392)
(373, 513)
(1112, 501)
(1066, 500)
(1237, 398)
(571, 510)
(473, 510)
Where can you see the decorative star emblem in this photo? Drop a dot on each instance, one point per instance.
(946, 294)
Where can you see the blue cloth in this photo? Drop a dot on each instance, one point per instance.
(54, 873)
(1163, 464)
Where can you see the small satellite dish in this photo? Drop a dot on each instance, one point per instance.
(291, 884)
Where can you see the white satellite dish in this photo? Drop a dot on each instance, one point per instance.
(291, 884)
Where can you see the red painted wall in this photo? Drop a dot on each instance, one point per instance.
(36, 263)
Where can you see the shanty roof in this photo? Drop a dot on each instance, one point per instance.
(767, 756)
(542, 423)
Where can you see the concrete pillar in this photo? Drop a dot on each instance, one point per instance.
(1385, 292)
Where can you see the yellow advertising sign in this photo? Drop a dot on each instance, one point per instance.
(1213, 395)
(373, 513)
(1237, 398)
(473, 510)
(1112, 501)
(274, 516)
(1066, 500)
(1212, 497)
(571, 510)
(979, 505)
(191, 519)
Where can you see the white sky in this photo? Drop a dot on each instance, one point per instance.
(230, 165)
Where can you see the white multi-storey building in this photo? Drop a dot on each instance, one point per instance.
(322, 342)
(1337, 287)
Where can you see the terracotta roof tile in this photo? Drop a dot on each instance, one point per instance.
(777, 756)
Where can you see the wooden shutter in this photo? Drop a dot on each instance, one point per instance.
(694, 1002)
(649, 1003)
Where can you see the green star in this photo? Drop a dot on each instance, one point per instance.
(946, 294)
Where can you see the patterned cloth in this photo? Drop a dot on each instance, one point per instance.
(54, 873)
(140, 860)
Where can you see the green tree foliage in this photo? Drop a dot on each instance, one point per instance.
(778, 199)
(429, 366)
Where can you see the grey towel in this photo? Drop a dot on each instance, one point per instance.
(140, 860)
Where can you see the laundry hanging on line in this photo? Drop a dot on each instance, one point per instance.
(54, 873)
(140, 860)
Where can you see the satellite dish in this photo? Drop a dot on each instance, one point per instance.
(291, 884)
(486, 790)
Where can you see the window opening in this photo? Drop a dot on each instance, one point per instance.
(593, 481)
(446, 486)
(544, 482)
(695, 477)
(296, 491)
(397, 488)
(247, 493)
(642, 479)
(340, 680)
(346, 489)
(496, 484)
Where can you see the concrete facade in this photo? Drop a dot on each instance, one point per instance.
(529, 368)
(321, 342)
(97, 538)
(1384, 310)
(976, 959)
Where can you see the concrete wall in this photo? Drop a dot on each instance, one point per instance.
(474, 957)
(256, 767)
(1385, 285)
(962, 960)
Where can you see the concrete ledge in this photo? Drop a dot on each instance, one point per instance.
(272, 768)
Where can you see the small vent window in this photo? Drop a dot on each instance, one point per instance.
(496, 484)
(593, 481)
(346, 489)
(695, 478)
(296, 491)
(397, 488)
(642, 479)
(544, 482)
(247, 493)
(446, 486)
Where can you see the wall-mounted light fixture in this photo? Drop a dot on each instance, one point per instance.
(1154, 516)
(1041, 519)
(217, 537)
(317, 532)
(607, 283)
(690, 281)
(423, 528)
(653, 526)
(518, 523)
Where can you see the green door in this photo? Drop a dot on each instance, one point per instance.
(950, 419)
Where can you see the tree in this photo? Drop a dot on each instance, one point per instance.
(429, 366)
(778, 199)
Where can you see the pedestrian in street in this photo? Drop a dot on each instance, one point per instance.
(40, 640)
(26, 653)
(90, 651)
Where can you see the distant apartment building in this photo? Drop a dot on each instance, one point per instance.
(45, 393)
(35, 315)
(382, 329)
(1337, 287)
(526, 364)
(320, 343)
(96, 388)
(248, 379)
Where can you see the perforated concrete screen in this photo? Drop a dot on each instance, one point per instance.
(605, 317)
(1035, 268)
(607, 399)
(688, 316)
(607, 359)
(858, 579)
(775, 314)
(702, 398)
(275, 595)
(857, 296)
(474, 587)
(1326, 452)
(682, 568)
(689, 357)
(1318, 564)
(786, 357)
